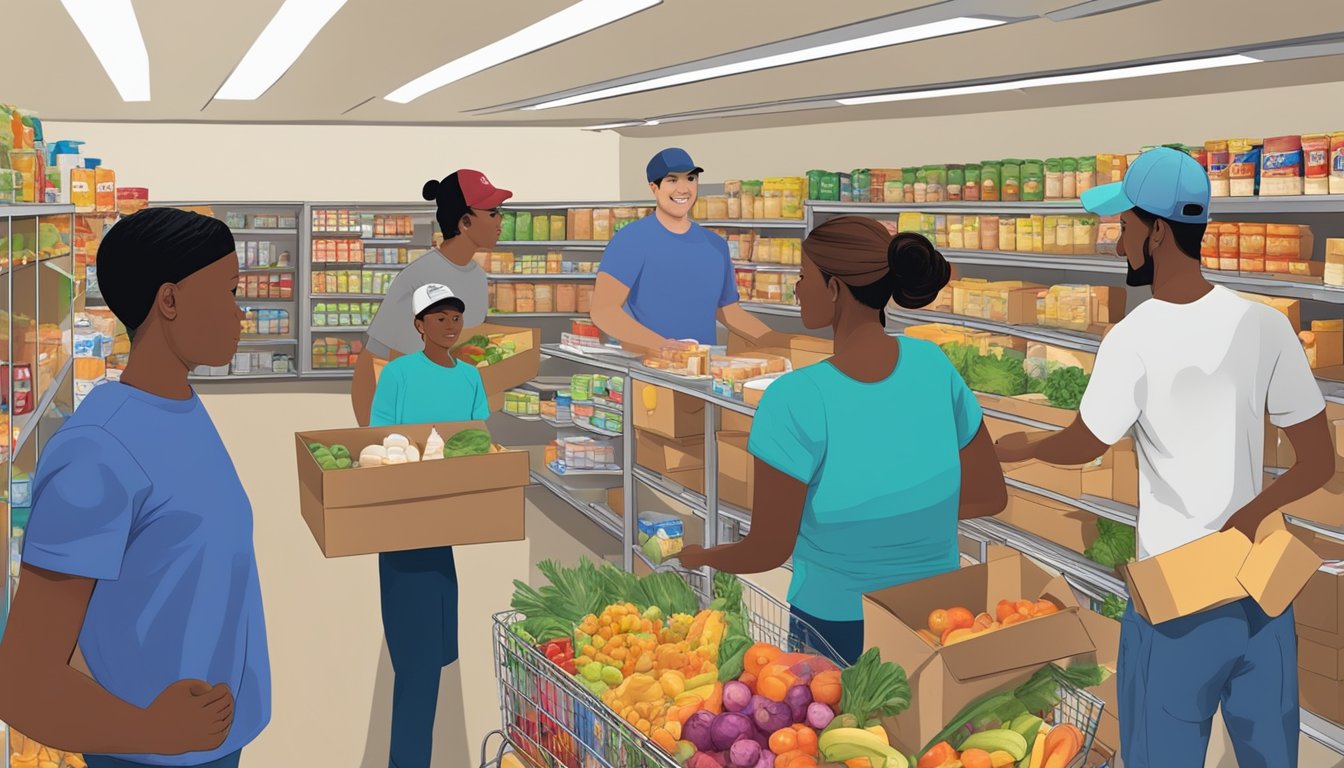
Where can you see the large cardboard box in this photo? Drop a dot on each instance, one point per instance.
(1319, 610)
(1052, 521)
(944, 680)
(1324, 506)
(448, 502)
(664, 455)
(666, 412)
(1223, 568)
(517, 369)
(1320, 694)
(732, 421)
(802, 351)
(737, 470)
(1320, 658)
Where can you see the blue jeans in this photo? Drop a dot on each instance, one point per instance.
(1173, 676)
(419, 605)
(846, 637)
(100, 761)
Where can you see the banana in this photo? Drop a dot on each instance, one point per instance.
(999, 740)
(843, 744)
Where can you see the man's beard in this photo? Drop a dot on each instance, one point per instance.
(1144, 274)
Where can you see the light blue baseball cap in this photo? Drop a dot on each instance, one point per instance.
(1165, 182)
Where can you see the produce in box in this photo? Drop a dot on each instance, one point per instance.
(483, 350)
(953, 625)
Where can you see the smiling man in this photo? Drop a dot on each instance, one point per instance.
(665, 278)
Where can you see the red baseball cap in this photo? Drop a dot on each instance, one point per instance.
(478, 192)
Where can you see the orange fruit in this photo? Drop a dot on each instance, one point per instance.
(947, 634)
(984, 619)
(961, 618)
(957, 635)
(976, 758)
(1045, 608)
(939, 622)
(1005, 609)
(1015, 618)
(1025, 607)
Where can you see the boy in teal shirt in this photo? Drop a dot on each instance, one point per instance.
(419, 587)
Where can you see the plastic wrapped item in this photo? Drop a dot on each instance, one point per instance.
(661, 536)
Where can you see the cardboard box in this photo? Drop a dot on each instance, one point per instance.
(518, 369)
(1319, 610)
(449, 502)
(1064, 525)
(616, 501)
(802, 351)
(1105, 635)
(944, 680)
(1320, 658)
(732, 421)
(1223, 568)
(667, 413)
(1034, 407)
(664, 455)
(1324, 506)
(691, 479)
(1320, 695)
(736, 470)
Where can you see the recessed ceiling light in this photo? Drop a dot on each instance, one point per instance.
(1120, 73)
(278, 46)
(577, 19)
(113, 32)
(855, 45)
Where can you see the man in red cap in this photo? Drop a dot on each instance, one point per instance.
(468, 216)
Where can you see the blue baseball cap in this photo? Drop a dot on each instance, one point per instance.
(671, 160)
(1165, 182)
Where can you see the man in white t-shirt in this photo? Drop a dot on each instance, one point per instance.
(1193, 372)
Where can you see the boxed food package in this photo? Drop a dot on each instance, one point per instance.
(1319, 610)
(1324, 343)
(736, 470)
(1334, 262)
(1251, 248)
(474, 499)
(945, 679)
(1050, 520)
(664, 454)
(1223, 568)
(1291, 308)
(1244, 167)
(1281, 166)
(803, 350)
(517, 369)
(667, 413)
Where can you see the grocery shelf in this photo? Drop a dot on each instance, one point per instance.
(279, 341)
(754, 223)
(348, 296)
(338, 329)
(586, 427)
(545, 276)
(1217, 206)
(1107, 508)
(250, 232)
(604, 521)
(244, 377)
(693, 499)
(765, 267)
(29, 420)
(495, 315)
(604, 362)
(1060, 558)
(556, 422)
(1322, 731)
(1081, 342)
(518, 205)
(566, 245)
(1274, 287)
(1278, 204)
(583, 473)
(698, 389)
(782, 310)
(522, 417)
(1113, 265)
(267, 270)
(358, 265)
(24, 210)
(330, 373)
(1328, 531)
(1016, 419)
(246, 302)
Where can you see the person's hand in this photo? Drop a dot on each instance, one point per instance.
(1014, 448)
(190, 716)
(693, 557)
(1245, 520)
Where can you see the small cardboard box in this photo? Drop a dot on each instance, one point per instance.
(1320, 658)
(664, 455)
(1324, 506)
(517, 369)
(1063, 525)
(736, 470)
(1030, 407)
(732, 421)
(616, 500)
(1223, 568)
(1319, 610)
(666, 412)
(448, 502)
(943, 680)
(802, 351)
(1320, 694)
(691, 479)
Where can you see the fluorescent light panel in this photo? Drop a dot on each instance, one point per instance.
(578, 19)
(867, 43)
(1121, 73)
(278, 46)
(113, 32)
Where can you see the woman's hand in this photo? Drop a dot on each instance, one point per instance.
(693, 557)
(1014, 448)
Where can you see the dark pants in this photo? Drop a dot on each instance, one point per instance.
(419, 597)
(99, 761)
(845, 637)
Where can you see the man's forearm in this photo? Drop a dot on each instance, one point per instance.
(743, 322)
(1301, 480)
(744, 556)
(1068, 447)
(66, 710)
(618, 324)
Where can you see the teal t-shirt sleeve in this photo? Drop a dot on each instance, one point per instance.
(965, 408)
(789, 429)
(387, 396)
(480, 409)
(87, 493)
(622, 260)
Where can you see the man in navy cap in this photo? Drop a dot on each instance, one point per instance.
(1192, 372)
(665, 278)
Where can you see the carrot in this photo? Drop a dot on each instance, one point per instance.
(826, 688)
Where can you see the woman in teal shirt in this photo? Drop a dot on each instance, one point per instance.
(865, 462)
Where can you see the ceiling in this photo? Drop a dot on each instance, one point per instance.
(371, 48)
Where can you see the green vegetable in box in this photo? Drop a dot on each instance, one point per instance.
(1114, 546)
(468, 442)
(1065, 387)
(1113, 607)
(1005, 376)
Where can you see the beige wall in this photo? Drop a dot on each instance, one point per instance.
(199, 162)
(1073, 130)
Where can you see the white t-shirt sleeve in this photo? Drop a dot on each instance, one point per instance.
(1294, 396)
(1116, 390)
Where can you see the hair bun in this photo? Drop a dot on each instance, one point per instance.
(431, 190)
(920, 271)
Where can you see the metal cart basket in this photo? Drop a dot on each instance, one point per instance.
(550, 720)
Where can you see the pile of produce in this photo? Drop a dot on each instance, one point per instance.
(1113, 607)
(26, 753)
(1114, 546)
(331, 457)
(1006, 373)
(953, 625)
(1009, 728)
(398, 449)
(481, 350)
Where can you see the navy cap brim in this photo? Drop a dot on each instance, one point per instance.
(1107, 200)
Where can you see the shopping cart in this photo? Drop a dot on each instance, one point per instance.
(550, 720)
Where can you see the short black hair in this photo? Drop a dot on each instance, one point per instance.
(1189, 237)
(452, 302)
(452, 204)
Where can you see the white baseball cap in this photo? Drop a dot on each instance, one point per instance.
(430, 294)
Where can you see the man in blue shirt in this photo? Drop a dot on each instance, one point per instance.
(139, 549)
(665, 278)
